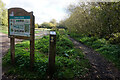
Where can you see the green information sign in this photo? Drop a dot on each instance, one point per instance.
(19, 25)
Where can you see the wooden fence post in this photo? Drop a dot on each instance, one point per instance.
(52, 52)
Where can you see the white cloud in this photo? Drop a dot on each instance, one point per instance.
(44, 10)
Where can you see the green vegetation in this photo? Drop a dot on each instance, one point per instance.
(36, 25)
(49, 25)
(94, 19)
(3, 18)
(70, 62)
(97, 25)
(3, 29)
(109, 51)
(38, 31)
(3, 14)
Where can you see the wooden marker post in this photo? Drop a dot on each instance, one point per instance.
(52, 52)
(21, 26)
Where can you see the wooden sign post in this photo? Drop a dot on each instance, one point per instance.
(21, 26)
(52, 52)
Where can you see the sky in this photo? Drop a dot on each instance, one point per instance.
(44, 10)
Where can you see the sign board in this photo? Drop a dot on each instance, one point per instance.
(19, 25)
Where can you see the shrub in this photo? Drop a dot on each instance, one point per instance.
(115, 39)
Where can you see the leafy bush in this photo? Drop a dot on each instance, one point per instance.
(42, 44)
(76, 36)
(99, 43)
(115, 39)
(63, 45)
(69, 68)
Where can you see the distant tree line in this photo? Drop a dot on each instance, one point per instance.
(50, 25)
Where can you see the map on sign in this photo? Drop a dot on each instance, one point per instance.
(19, 25)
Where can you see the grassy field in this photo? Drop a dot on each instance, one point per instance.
(110, 51)
(70, 62)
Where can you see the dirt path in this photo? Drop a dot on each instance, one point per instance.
(101, 68)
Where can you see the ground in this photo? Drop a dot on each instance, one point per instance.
(101, 68)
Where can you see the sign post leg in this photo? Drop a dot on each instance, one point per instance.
(32, 46)
(12, 49)
(31, 54)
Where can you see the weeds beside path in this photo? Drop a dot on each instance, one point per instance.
(101, 68)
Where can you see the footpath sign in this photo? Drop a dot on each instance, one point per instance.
(52, 53)
(21, 26)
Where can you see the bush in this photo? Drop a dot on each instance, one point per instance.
(115, 39)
